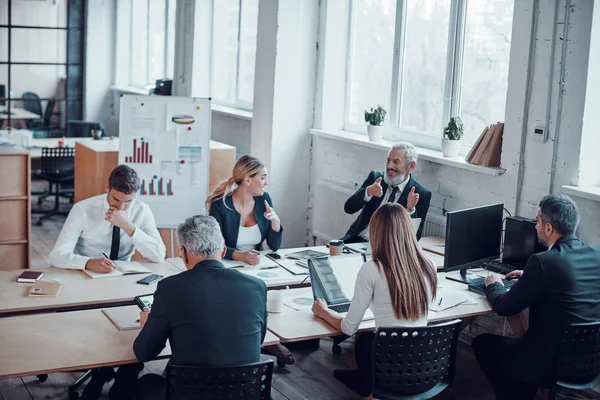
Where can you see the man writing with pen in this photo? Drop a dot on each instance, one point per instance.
(99, 231)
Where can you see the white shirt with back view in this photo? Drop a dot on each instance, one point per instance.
(371, 289)
(85, 235)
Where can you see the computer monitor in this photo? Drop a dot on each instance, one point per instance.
(473, 236)
(520, 241)
(2, 95)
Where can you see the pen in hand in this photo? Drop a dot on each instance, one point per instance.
(108, 258)
(440, 302)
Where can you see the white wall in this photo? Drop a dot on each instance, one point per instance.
(100, 62)
(455, 188)
(231, 130)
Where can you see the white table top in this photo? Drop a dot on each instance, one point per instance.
(18, 113)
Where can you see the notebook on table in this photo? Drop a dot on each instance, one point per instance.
(124, 318)
(44, 289)
(30, 276)
(123, 268)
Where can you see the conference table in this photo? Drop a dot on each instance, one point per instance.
(77, 291)
(18, 117)
(68, 341)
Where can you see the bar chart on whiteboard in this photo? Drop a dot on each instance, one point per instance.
(166, 140)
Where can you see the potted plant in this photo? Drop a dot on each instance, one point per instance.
(374, 118)
(452, 134)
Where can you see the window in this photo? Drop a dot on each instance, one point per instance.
(234, 52)
(425, 61)
(145, 41)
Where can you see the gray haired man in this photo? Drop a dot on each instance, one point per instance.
(394, 185)
(212, 316)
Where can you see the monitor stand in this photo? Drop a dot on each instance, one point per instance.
(462, 276)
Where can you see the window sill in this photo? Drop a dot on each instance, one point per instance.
(424, 154)
(585, 192)
(129, 90)
(230, 111)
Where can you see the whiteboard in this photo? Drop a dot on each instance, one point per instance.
(166, 140)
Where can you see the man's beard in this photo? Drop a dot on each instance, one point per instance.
(395, 181)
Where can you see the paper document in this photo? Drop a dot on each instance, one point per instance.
(123, 268)
(293, 267)
(264, 262)
(450, 298)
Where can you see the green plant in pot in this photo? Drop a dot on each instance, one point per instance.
(453, 133)
(374, 118)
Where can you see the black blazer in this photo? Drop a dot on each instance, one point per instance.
(229, 220)
(356, 202)
(212, 316)
(560, 286)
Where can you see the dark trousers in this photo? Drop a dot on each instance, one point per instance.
(151, 387)
(360, 381)
(491, 352)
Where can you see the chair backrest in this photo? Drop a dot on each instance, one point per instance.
(77, 128)
(31, 102)
(48, 112)
(578, 360)
(414, 360)
(251, 381)
(58, 163)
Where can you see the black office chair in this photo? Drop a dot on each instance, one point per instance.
(577, 364)
(245, 382)
(32, 103)
(52, 133)
(77, 128)
(58, 168)
(44, 124)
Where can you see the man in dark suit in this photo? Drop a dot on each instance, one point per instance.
(211, 315)
(560, 286)
(395, 185)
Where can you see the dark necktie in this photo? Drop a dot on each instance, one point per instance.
(393, 194)
(116, 241)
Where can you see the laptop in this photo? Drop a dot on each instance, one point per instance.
(366, 246)
(333, 278)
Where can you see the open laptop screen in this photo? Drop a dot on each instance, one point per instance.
(333, 278)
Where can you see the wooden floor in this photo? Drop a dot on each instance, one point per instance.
(309, 378)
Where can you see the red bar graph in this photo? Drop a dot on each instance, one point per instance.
(140, 153)
(165, 188)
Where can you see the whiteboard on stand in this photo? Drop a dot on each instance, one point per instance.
(167, 141)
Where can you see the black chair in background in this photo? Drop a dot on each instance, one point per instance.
(76, 128)
(45, 123)
(577, 365)
(32, 103)
(52, 133)
(245, 382)
(58, 168)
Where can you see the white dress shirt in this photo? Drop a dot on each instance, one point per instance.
(386, 197)
(371, 289)
(85, 235)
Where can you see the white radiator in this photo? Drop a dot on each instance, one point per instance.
(331, 222)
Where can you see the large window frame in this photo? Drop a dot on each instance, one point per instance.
(124, 43)
(452, 83)
(238, 102)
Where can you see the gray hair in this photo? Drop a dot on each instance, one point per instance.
(411, 151)
(201, 234)
(561, 212)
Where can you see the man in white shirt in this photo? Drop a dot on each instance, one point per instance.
(394, 185)
(114, 224)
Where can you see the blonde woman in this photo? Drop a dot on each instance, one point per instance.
(245, 212)
(398, 284)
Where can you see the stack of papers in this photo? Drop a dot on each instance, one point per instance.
(450, 298)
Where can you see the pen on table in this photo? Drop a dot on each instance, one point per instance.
(269, 267)
(440, 303)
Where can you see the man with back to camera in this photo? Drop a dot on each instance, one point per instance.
(560, 286)
(395, 185)
(115, 224)
(211, 315)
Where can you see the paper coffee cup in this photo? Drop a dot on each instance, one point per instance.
(274, 301)
(336, 247)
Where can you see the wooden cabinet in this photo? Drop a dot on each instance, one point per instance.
(15, 208)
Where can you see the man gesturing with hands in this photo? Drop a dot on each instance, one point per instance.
(113, 224)
(394, 185)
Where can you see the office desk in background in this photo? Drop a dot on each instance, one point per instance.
(78, 290)
(18, 117)
(48, 343)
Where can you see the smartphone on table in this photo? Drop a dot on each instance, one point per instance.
(150, 279)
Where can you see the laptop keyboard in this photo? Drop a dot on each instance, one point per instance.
(477, 285)
(340, 308)
(499, 268)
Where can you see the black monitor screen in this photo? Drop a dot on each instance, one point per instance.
(472, 236)
(2, 95)
(520, 241)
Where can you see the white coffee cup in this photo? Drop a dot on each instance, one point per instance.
(275, 301)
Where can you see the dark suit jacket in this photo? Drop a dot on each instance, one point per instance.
(560, 286)
(229, 220)
(356, 202)
(211, 315)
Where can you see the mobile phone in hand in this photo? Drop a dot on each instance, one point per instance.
(145, 300)
(150, 279)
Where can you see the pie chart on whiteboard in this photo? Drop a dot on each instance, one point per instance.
(182, 119)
